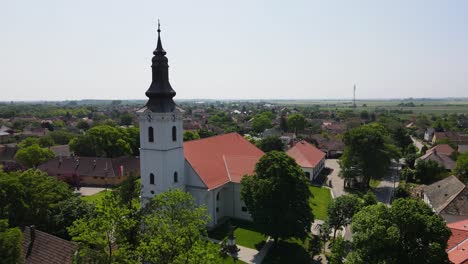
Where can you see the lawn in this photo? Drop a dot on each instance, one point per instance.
(95, 198)
(319, 202)
(246, 234)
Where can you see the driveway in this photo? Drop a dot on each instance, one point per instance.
(337, 181)
(384, 191)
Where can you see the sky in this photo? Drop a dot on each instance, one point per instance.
(88, 49)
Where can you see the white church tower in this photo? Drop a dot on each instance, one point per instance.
(161, 141)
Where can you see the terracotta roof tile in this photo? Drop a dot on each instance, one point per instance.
(306, 154)
(458, 242)
(221, 159)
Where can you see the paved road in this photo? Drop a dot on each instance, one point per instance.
(384, 191)
(337, 182)
(417, 143)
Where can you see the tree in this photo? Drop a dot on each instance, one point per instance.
(277, 196)
(175, 231)
(364, 115)
(33, 156)
(461, 169)
(338, 251)
(204, 133)
(270, 143)
(83, 125)
(46, 141)
(101, 235)
(407, 232)
(261, 122)
(103, 141)
(29, 141)
(10, 243)
(428, 171)
(401, 137)
(296, 122)
(191, 135)
(66, 212)
(341, 210)
(61, 137)
(126, 119)
(30, 197)
(369, 199)
(367, 154)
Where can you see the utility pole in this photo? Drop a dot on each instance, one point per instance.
(354, 96)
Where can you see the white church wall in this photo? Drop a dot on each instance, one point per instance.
(191, 177)
(239, 203)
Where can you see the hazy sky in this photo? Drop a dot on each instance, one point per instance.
(54, 50)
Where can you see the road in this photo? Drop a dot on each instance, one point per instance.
(417, 143)
(384, 191)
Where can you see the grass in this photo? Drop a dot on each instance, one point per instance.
(246, 233)
(231, 260)
(95, 198)
(319, 202)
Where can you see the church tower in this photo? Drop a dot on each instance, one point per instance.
(161, 142)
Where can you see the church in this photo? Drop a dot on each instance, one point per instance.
(210, 169)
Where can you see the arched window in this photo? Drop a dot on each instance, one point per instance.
(176, 177)
(174, 133)
(217, 197)
(150, 134)
(151, 178)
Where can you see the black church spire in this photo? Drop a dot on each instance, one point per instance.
(160, 92)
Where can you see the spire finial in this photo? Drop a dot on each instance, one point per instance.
(159, 27)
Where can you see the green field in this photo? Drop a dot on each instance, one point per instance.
(246, 233)
(319, 203)
(95, 198)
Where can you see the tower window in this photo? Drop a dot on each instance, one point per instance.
(151, 178)
(217, 197)
(150, 134)
(174, 133)
(176, 177)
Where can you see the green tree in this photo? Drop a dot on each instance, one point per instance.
(61, 137)
(407, 232)
(338, 251)
(126, 119)
(204, 133)
(401, 137)
(66, 212)
(30, 197)
(296, 122)
(270, 143)
(367, 154)
(427, 171)
(341, 211)
(191, 135)
(175, 231)
(369, 199)
(461, 169)
(101, 235)
(33, 156)
(261, 122)
(277, 196)
(83, 125)
(10, 243)
(29, 141)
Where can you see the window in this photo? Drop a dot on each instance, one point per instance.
(217, 209)
(176, 177)
(307, 175)
(244, 209)
(174, 133)
(150, 134)
(217, 197)
(151, 178)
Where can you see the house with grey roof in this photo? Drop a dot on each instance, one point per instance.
(448, 198)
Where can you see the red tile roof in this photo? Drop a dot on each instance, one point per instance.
(222, 159)
(306, 154)
(457, 245)
(445, 149)
(46, 248)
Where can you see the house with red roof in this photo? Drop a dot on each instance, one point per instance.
(457, 245)
(309, 157)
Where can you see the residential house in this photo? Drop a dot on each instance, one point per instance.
(91, 171)
(457, 245)
(462, 148)
(429, 134)
(39, 247)
(440, 154)
(310, 158)
(448, 198)
(6, 134)
(332, 146)
(457, 138)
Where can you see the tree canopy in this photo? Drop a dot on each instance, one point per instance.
(367, 154)
(296, 122)
(407, 232)
(277, 196)
(191, 135)
(261, 122)
(10, 243)
(270, 143)
(427, 171)
(461, 169)
(341, 210)
(33, 155)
